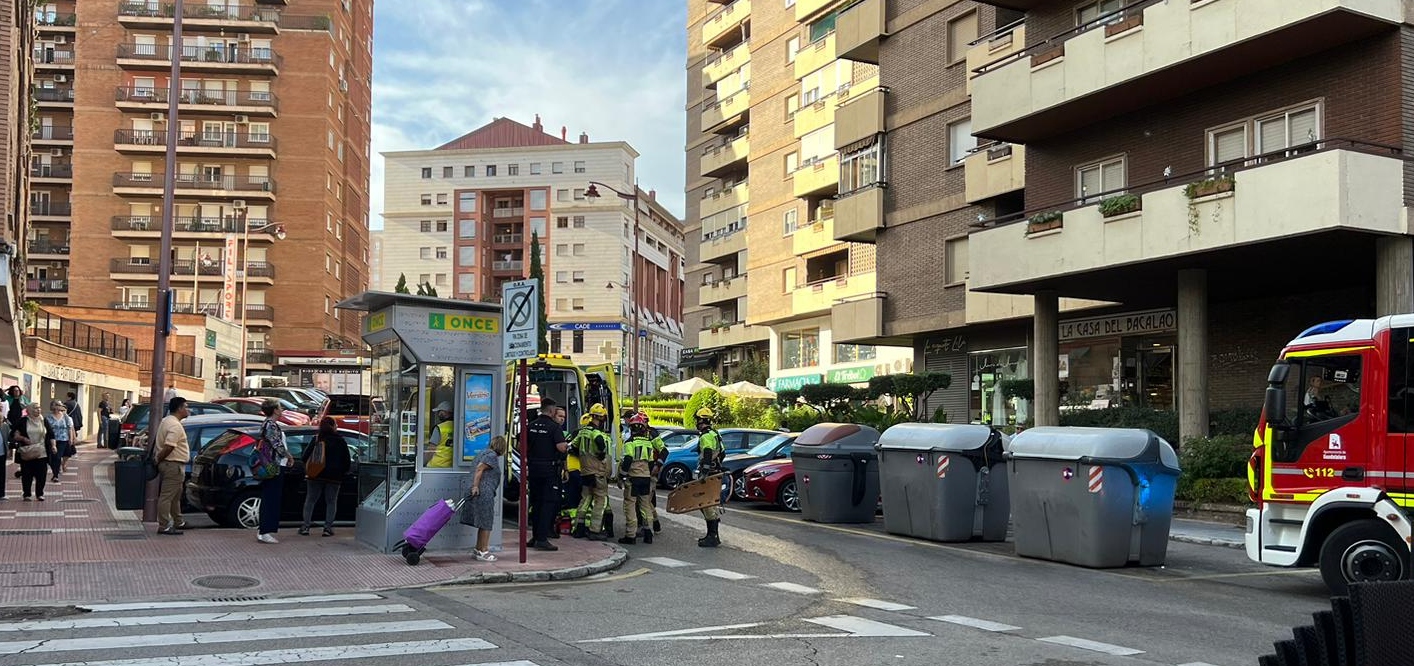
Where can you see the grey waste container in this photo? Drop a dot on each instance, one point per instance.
(837, 473)
(1097, 497)
(129, 479)
(944, 482)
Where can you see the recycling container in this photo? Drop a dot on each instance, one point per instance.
(129, 479)
(1096, 497)
(837, 473)
(944, 482)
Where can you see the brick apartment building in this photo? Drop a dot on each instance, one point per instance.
(273, 135)
(17, 24)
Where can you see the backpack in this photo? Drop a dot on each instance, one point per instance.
(315, 465)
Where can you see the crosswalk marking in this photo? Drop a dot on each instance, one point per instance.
(158, 605)
(305, 654)
(240, 635)
(859, 626)
(1093, 646)
(984, 625)
(723, 573)
(666, 562)
(792, 587)
(876, 603)
(248, 616)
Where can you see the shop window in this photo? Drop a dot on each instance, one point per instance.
(990, 370)
(855, 353)
(578, 341)
(800, 349)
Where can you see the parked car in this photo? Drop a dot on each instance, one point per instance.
(774, 448)
(306, 400)
(350, 410)
(221, 485)
(682, 461)
(675, 437)
(292, 416)
(773, 481)
(136, 420)
(203, 428)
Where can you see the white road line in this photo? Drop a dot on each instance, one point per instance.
(665, 562)
(984, 625)
(674, 633)
(858, 626)
(1197, 663)
(239, 635)
(792, 587)
(723, 573)
(100, 608)
(1093, 646)
(196, 618)
(521, 662)
(301, 655)
(876, 603)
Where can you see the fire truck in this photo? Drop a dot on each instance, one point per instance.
(1332, 471)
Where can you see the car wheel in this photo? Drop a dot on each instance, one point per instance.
(787, 497)
(739, 486)
(675, 476)
(1361, 552)
(244, 511)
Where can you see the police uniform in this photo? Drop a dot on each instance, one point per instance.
(593, 448)
(543, 437)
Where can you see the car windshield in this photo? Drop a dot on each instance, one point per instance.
(765, 448)
(689, 444)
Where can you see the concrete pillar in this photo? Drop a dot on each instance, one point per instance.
(1045, 366)
(1394, 275)
(1192, 354)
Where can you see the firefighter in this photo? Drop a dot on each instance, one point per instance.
(592, 447)
(709, 462)
(636, 467)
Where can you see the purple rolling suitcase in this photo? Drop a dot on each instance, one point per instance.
(416, 538)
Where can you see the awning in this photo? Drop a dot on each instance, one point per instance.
(691, 358)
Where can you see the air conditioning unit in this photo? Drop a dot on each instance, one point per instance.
(157, 117)
(60, 78)
(242, 120)
(56, 264)
(238, 204)
(61, 39)
(57, 152)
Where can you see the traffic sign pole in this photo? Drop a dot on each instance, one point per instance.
(524, 460)
(520, 316)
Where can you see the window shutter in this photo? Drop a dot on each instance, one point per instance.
(1089, 182)
(1229, 145)
(1112, 176)
(1271, 135)
(1303, 127)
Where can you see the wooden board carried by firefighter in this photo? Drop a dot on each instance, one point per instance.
(696, 495)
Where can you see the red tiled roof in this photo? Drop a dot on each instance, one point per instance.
(502, 133)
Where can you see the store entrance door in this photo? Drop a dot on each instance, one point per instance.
(1156, 377)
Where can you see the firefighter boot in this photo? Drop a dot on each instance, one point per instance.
(609, 524)
(711, 540)
(628, 540)
(579, 531)
(647, 535)
(657, 526)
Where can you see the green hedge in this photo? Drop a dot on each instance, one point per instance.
(1165, 423)
(1213, 491)
(662, 404)
(663, 416)
(1221, 457)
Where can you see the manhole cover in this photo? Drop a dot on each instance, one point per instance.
(77, 501)
(224, 582)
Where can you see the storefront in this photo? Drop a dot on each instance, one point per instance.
(1125, 359)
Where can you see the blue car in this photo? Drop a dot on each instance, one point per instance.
(682, 461)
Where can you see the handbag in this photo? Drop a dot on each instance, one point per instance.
(263, 465)
(29, 452)
(315, 465)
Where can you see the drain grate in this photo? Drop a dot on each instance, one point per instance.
(26, 578)
(77, 501)
(25, 532)
(228, 600)
(225, 582)
(125, 536)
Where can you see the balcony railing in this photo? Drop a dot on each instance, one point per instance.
(51, 171)
(53, 57)
(262, 356)
(177, 362)
(508, 239)
(53, 133)
(260, 312)
(55, 19)
(221, 12)
(507, 265)
(1041, 52)
(51, 208)
(292, 22)
(507, 212)
(55, 94)
(47, 286)
(198, 182)
(199, 97)
(242, 55)
(199, 139)
(80, 336)
(47, 247)
(198, 225)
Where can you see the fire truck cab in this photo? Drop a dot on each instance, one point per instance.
(1334, 449)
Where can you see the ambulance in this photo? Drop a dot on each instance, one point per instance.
(1332, 470)
(572, 386)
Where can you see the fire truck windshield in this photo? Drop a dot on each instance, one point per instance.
(1322, 393)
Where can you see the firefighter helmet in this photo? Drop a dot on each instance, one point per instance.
(704, 413)
(585, 420)
(637, 419)
(597, 409)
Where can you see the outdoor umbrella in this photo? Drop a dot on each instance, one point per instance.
(686, 387)
(747, 390)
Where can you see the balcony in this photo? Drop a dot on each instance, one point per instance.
(506, 213)
(858, 319)
(723, 28)
(51, 286)
(50, 211)
(726, 156)
(859, 215)
(726, 113)
(50, 58)
(239, 60)
(177, 362)
(126, 269)
(993, 171)
(812, 238)
(815, 55)
(261, 357)
(201, 16)
(805, 9)
(55, 22)
(233, 144)
(51, 173)
(858, 31)
(725, 198)
(80, 336)
(737, 334)
(724, 63)
(1000, 45)
(191, 185)
(246, 102)
(722, 246)
(516, 265)
(195, 228)
(259, 315)
(508, 240)
(57, 96)
(1330, 186)
(721, 291)
(821, 296)
(1153, 51)
(822, 176)
(39, 249)
(53, 134)
(860, 117)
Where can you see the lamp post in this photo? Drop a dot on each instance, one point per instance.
(593, 193)
(244, 224)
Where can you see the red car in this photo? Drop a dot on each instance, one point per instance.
(292, 416)
(350, 410)
(773, 481)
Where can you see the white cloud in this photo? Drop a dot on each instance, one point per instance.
(611, 68)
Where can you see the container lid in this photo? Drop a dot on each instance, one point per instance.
(936, 437)
(838, 437)
(1118, 444)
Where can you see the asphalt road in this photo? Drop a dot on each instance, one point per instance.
(779, 592)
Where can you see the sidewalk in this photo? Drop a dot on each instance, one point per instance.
(76, 547)
(1207, 533)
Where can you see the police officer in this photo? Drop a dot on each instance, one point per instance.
(636, 465)
(709, 462)
(545, 439)
(592, 447)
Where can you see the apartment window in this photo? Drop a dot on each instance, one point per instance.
(1287, 129)
(557, 167)
(562, 195)
(326, 305)
(1227, 145)
(792, 106)
(424, 253)
(466, 256)
(447, 172)
(556, 342)
(579, 194)
(537, 226)
(818, 145)
(441, 279)
(960, 141)
(788, 279)
(534, 168)
(955, 256)
(562, 277)
(792, 163)
(562, 222)
(468, 171)
(441, 253)
(790, 3)
(577, 340)
(336, 270)
(562, 304)
(490, 170)
(579, 221)
(579, 166)
(823, 27)
(800, 349)
(328, 263)
(1105, 177)
(466, 202)
(790, 221)
(441, 199)
(792, 48)
(339, 231)
(466, 283)
(562, 250)
(466, 228)
(512, 169)
(577, 304)
(962, 31)
(426, 173)
(442, 226)
(578, 276)
(425, 226)
(538, 199)
(426, 199)
(579, 249)
(862, 167)
(1088, 13)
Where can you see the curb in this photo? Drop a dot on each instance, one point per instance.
(613, 561)
(1208, 541)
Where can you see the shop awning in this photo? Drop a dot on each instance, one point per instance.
(690, 358)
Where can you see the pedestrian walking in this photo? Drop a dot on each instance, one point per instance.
(636, 465)
(15, 405)
(171, 391)
(547, 445)
(270, 448)
(485, 487)
(592, 447)
(75, 410)
(105, 416)
(62, 425)
(326, 463)
(172, 454)
(709, 462)
(36, 444)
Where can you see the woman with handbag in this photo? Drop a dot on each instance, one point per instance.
(62, 425)
(271, 457)
(34, 444)
(326, 463)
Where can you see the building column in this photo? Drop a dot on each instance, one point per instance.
(1046, 364)
(1192, 354)
(1394, 275)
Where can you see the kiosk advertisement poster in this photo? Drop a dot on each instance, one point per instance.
(476, 393)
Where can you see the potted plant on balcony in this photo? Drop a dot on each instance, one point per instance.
(1120, 204)
(1202, 188)
(1051, 219)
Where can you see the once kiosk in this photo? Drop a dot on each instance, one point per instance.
(426, 352)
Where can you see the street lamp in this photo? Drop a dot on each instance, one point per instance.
(593, 193)
(279, 232)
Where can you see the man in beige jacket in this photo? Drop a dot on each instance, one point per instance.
(173, 451)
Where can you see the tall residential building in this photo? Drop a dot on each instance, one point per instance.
(763, 173)
(272, 136)
(461, 218)
(17, 30)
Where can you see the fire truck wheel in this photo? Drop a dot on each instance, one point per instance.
(1360, 552)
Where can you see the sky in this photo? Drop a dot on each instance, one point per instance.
(612, 68)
